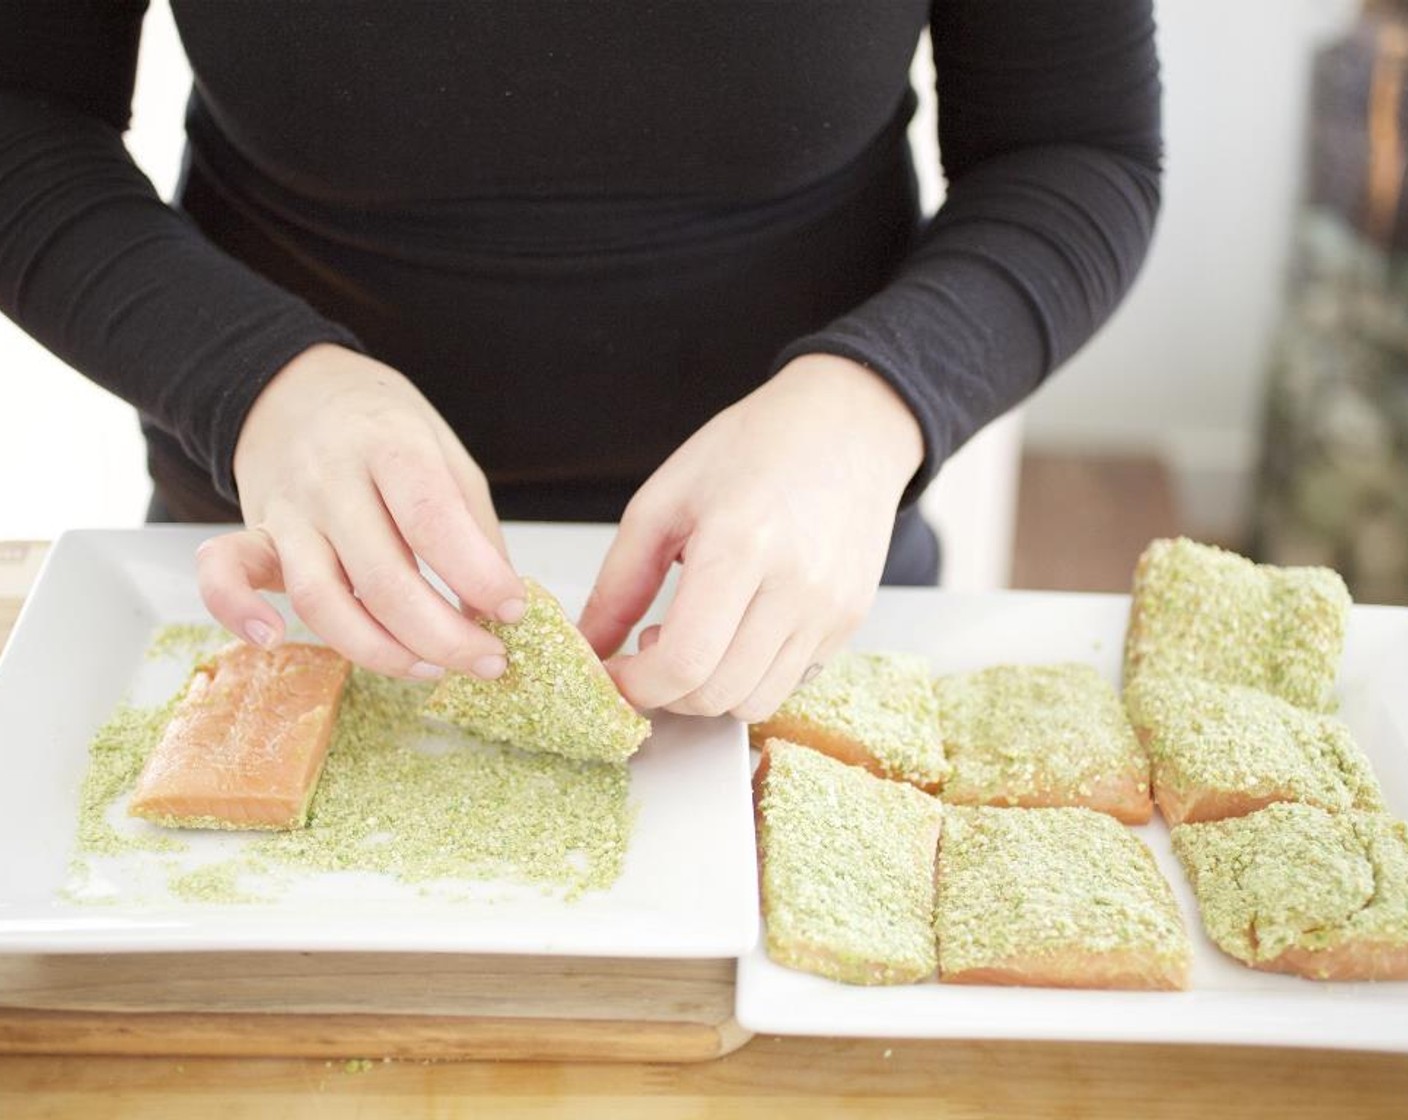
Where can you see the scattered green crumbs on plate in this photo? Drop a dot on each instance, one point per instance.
(115, 759)
(217, 882)
(483, 813)
(183, 640)
(455, 810)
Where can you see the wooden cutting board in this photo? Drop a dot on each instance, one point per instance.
(372, 1005)
(357, 1005)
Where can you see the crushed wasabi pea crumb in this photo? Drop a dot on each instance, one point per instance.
(184, 640)
(555, 696)
(468, 813)
(1019, 885)
(883, 702)
(1293, 876)
(383, 805)
(1038, 735)
(848, 869)
(216, 883)
(208, 824)
(1206, 740)
(357, 1065)
(1201, 611)
(115, 758)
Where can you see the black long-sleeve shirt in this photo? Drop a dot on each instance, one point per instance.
(581, 228)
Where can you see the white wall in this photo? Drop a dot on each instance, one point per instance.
(973, 503)
(1179, 369)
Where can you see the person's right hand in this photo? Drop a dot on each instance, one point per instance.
(346, 474)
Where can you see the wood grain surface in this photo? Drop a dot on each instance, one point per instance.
(330, 1005)
(769, 1077)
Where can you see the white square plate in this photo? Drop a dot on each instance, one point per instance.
(1226, 1003)
(688, 888)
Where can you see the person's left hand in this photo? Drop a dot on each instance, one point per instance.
(780, 511)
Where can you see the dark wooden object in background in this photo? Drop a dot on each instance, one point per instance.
(1333, 482)
(1082, 520)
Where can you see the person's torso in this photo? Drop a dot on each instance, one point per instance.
(582, 228)
(386, 105)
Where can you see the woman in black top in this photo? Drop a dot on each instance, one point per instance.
(659, 260)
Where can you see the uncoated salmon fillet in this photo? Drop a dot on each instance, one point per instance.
(246, 743)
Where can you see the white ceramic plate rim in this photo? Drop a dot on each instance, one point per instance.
(689, 888)
(1227, 1003)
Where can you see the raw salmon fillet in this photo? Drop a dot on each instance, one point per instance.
(1293, 888)
(1041, 736)
(875, 710)
(1054, 898)
(246, 743)
(847, 862)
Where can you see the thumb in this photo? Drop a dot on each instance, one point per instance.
(630, 578)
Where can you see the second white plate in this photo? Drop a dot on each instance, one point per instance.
(1227, 1003)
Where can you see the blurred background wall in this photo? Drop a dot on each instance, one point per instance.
(1177, 375)
(1179, 370)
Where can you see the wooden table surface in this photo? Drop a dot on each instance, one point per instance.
(770, 1077)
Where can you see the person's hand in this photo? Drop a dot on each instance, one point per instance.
(346, 474)
(780, 511)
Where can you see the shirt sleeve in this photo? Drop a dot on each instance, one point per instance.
(95, 267)
(1050, 139)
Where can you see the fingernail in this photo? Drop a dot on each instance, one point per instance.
(259, 632)
(511, 610)
(425, 671)
(489, 668)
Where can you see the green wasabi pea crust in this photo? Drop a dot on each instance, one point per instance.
(876, 709)
(1294, 888)
(555, 696)
(1045, 896)
(1224, 750)
(1041, 735)
(1200, 611)
(847, 869)
(383, 806)
(116, 755)
(465, 814)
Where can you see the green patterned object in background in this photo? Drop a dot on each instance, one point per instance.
(1333, 484)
